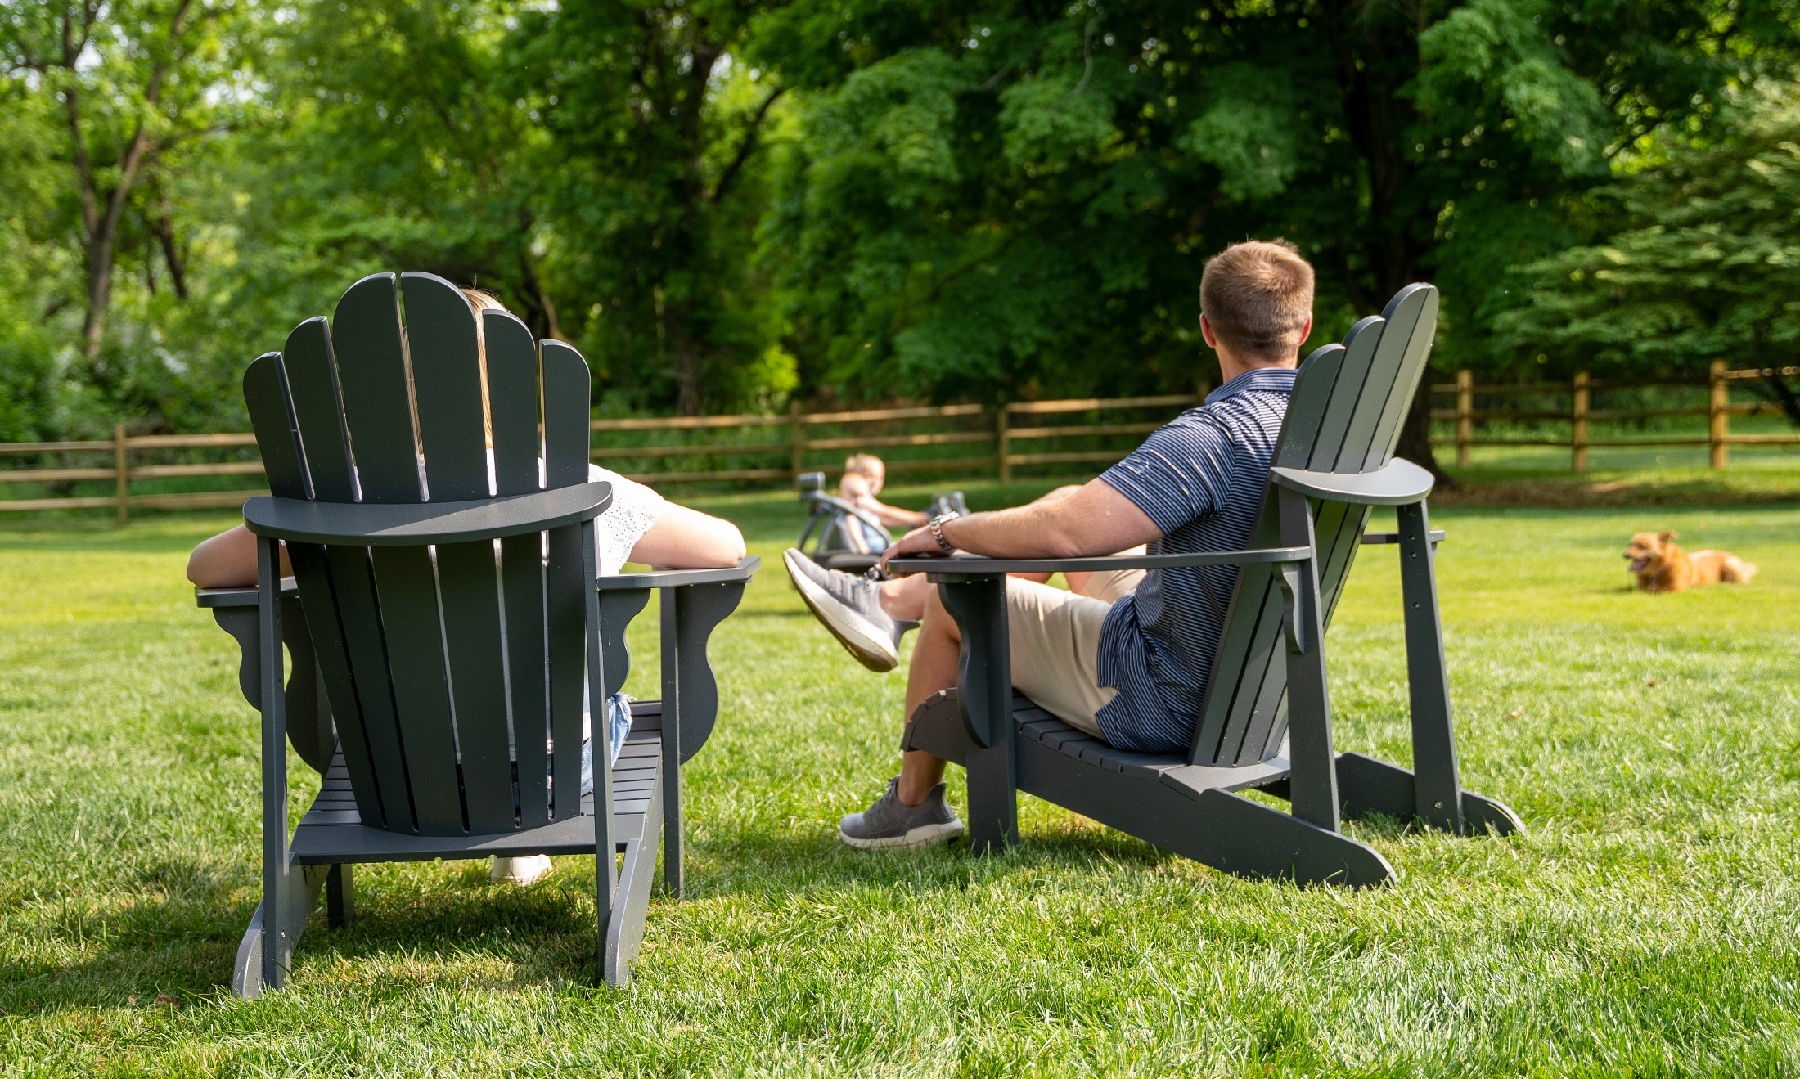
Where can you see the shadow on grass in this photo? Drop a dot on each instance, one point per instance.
(180, 938)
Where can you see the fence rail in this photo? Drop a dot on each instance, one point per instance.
(1580, 414)
(966, 439)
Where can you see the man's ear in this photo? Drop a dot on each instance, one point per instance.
(1206, 331)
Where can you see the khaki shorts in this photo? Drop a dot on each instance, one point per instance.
(1055, 638)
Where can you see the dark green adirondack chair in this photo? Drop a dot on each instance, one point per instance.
(442, 646)
(1265, 722)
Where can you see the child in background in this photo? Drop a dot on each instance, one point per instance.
(864, 477)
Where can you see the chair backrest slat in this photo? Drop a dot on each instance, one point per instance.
(450, 668)
(266, 397)
(1412, 316)
(527, 665)
(446, 374)
(1353, 371)
(514, 401)
(352, 657)
(371, 363)
(407, 609)
(567, 436)
(312, 379)
(476, 649)
(516, 407)
(1344, 417)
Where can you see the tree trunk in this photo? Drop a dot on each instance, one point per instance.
(164, 227)
(690, 359)
(99, 294)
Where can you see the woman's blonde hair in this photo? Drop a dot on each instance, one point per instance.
(483, 301)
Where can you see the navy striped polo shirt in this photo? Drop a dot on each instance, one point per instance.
(1200, 479)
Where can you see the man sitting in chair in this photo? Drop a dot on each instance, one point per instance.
(1124, 656)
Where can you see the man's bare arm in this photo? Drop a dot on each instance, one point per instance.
(1093, 519)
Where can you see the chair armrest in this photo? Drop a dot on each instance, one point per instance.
(693, 603)
(1397, 483)
(967, 565)
(309, 723)
(1370, 539)
(213, 598)
(675, 578)
(365, 524)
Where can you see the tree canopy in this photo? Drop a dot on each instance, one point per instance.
(725, 203)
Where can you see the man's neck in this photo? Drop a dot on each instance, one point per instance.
(1231, 367)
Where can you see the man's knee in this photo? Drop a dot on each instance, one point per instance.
(938, 619)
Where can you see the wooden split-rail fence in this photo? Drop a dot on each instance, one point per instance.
(961, 440)
(1580, 416)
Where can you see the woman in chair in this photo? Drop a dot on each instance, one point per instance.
(640, 526)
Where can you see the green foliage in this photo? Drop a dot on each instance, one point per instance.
(727, 202)
(1012, 199)
(1702, 260)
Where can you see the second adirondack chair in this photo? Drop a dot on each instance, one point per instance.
(1265, 723)
(448, 635)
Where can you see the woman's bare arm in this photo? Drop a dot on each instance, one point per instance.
(228, 560)
(683, 538)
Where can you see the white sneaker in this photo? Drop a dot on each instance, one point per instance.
(523, 870)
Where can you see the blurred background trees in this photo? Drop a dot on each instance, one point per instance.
(725, 203)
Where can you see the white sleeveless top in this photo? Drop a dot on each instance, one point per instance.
(634, 509)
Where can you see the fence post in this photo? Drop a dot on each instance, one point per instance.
(122, 471)
(797, 429)
(1003, 441)
(1718, 412)
(1465, 415)
(1578, 438)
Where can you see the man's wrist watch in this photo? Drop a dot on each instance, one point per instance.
(937, 532)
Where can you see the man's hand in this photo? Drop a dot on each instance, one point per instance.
(1093, 519)
(918, 542)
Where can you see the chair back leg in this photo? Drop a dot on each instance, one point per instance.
(1437, 790)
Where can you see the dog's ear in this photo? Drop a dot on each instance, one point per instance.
(1665, 536)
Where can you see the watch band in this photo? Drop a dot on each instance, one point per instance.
(937, 532)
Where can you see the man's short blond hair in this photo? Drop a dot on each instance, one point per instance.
(1258, 296)
(865, 464)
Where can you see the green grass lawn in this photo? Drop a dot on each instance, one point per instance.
(1646, 923)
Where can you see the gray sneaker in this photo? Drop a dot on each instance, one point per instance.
(850, 607)
(888, 824)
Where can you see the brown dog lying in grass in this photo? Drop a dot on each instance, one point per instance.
(1661, 566)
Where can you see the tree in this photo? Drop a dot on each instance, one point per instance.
(1009, 197)
(651, 180)
(134, 82)
(1702, 261)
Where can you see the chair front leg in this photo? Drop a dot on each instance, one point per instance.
(984, 682)
(606, 866)
(277, 944)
